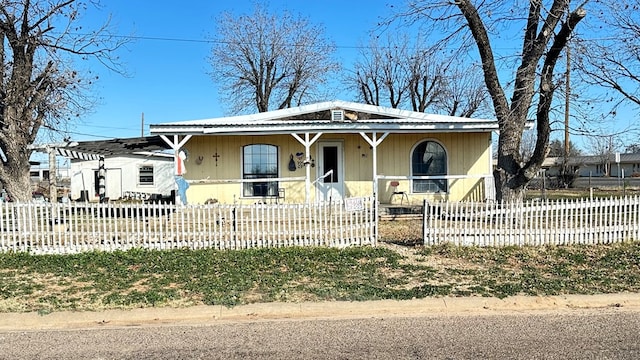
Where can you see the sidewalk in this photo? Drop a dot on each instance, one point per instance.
(202, 315)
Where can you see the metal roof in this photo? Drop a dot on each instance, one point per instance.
(92, 150)
(317, 118)
(629, 158)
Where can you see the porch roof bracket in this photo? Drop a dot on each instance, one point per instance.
(306, 142)
(374, 141)
(176, 144)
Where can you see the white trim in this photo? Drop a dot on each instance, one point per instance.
(383, 112)
(334, 188)
(286, 121)
(428, 177)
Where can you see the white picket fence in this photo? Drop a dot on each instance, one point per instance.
(77, 227)
(561, 222)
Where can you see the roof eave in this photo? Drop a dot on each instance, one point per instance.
(341, 128)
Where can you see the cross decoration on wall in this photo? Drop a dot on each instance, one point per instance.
(216, 156)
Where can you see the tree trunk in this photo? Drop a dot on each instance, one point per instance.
(14, 172)
(504, 192)
(17, 179)
(512, 173)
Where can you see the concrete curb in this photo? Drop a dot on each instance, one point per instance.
(207, 315)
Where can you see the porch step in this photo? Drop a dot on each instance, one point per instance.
(399, 212)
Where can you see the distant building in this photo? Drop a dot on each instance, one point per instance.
(585, 166)
(138, 168)
(39, 173)
(129, 176)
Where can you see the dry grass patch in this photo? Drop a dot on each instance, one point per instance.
(178, 278)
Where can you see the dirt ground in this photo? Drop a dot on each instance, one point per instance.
(202, 315)
(435, 306)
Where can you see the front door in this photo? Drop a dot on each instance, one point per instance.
(331, 186)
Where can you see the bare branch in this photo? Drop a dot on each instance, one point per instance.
(263, 59)
(39, 87)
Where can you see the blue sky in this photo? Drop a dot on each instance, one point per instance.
(169, 79)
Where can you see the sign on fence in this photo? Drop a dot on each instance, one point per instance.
(354, 204)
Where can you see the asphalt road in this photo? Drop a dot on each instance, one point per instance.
(605, 333)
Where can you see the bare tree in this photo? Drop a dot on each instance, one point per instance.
(380, 72)
(38, 86)
(426, 73)
(367, 81)
(609, 54)
(557, 149)
(266, 61)
(604, 146)
(632, 149)
(464, 92)
(546, 28)
(405, 73)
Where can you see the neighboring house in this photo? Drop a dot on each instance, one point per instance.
(333, 150)
(39, 174)
(125, 177)
(133, 168)
(585, 166)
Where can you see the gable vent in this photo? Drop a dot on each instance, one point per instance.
(337, 115)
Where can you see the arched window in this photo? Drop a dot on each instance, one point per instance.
(429, 159)
(260, 161)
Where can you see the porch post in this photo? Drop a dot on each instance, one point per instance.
(374, 142)
(101, 179)
(375, 164)
(307, 150)
(307, 180)
(175, 145)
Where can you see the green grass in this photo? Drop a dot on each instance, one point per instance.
(145, 278)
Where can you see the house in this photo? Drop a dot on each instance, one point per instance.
(40, 175)
(136, 168)
(333, 150)
(39, 172)
(627, 165)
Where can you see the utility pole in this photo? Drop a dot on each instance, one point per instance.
(567, 95)
(53, 174)
(142, 126)
(566, 105)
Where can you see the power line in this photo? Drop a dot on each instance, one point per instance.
(201, 41)
(86, 134)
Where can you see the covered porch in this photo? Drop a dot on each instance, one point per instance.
(331, 151)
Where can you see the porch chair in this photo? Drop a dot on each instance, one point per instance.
(403, 194)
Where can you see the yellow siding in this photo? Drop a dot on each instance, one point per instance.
(468, 154)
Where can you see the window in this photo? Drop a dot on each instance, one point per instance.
(260, 161)
(145, 175)
(429, 159)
